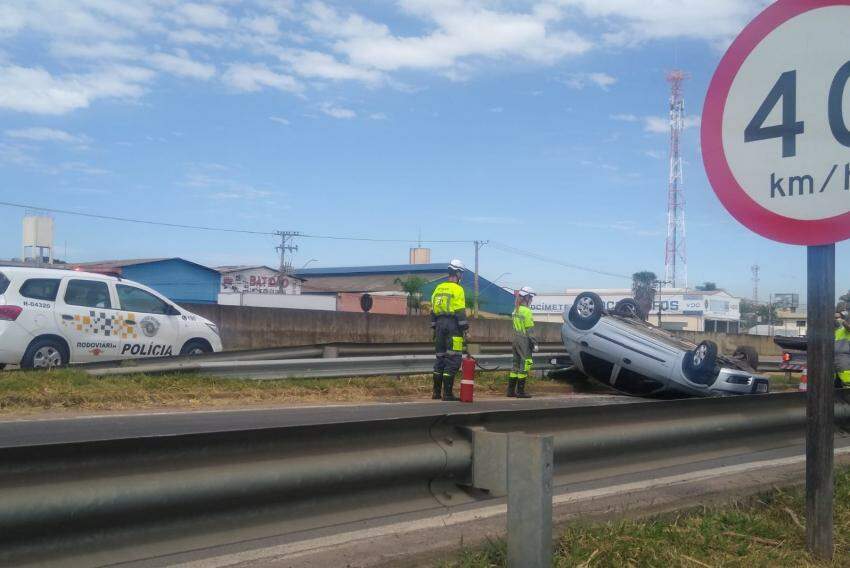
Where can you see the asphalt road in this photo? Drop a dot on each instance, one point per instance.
(34, 432)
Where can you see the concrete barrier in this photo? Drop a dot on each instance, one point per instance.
(244, 327)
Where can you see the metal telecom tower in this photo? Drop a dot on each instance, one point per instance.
(675, 254)
(755, 268)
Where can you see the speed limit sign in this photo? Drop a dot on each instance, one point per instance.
(776, 123)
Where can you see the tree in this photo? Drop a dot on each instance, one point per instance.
(643, 290)
(753, 314)
(843, 302)
(707, 287)
(412, 286)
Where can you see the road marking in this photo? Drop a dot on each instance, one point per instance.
(296, 549)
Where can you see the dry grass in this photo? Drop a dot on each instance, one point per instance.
(761, 532)
(70, 389)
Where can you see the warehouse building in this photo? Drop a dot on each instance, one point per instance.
(177, 279)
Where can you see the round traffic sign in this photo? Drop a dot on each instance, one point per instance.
(776, 123)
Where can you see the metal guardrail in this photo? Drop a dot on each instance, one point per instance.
(313, 368)
(67, 503)
(323, 350)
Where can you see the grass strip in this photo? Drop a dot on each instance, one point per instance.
(765, 531)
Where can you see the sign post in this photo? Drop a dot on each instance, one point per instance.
(776, 148)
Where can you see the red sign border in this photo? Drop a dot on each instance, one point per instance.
(726, 187)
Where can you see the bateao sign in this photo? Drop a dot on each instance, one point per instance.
(776, 123)
(258, 281)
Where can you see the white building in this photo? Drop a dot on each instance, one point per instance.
(261, 286)
(679, 309)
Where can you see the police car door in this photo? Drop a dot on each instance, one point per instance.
(86, 318)
(152, 330)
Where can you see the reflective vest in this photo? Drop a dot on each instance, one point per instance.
(842, 354)
(523, 320)
(448, 299)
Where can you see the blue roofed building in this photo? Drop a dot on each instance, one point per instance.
(382, 280)
(177, 279)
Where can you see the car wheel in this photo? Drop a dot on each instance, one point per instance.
(749, 355)
(44, 354)
(701, 360)
(586, 310)
(196, 347)
(628, 308)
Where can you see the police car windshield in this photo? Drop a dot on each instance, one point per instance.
(4, 283)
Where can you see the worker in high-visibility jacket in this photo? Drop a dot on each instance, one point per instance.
(842, 350)
(448, 320)
(524, 343)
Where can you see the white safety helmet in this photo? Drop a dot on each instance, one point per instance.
(456, 267)
(527, 291)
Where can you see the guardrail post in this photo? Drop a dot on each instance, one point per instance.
(530, 464)
(330, 352)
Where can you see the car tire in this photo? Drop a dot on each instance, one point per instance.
(586, 310)
(44, 353)
(700, 361)
(196, 347)
(749, 355)
(628, 308)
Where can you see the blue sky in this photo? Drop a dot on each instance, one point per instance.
(539, 125)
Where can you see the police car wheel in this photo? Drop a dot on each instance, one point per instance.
(195, 348)
(44, 354)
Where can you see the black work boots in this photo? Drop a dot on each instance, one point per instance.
(438, 386)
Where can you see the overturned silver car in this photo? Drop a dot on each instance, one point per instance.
(621, 350)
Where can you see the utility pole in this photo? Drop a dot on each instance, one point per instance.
(478, 245)
(285, 246)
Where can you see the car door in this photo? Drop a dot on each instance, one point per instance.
(152, 330)
(86, 318)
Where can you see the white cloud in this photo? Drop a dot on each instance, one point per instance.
(34, 90)
(203, 15)
(195, 37)
(582, 80)
(497, 109)
(43, 134)
(661, 124)
(461, 31)
(263, 25)
(654, 154)
(631, 21)
(182, 65)
(337, 111)
(378, 116)
(279, 120)
(321, 65)
(100, 51)
(624, 117)
(253, 77)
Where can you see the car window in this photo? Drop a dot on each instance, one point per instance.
(40, 288)
(4, 283)
(88, 293)
(135, 299)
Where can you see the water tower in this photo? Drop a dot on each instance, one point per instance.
(38, 238)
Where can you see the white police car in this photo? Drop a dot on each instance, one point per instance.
(53, 317)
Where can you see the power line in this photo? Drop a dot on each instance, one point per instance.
(139, 221)
(221, 229)
(513, 250)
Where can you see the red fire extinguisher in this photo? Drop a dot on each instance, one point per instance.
(467, 382)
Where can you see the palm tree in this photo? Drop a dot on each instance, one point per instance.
(643, 290)
(412, 286)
